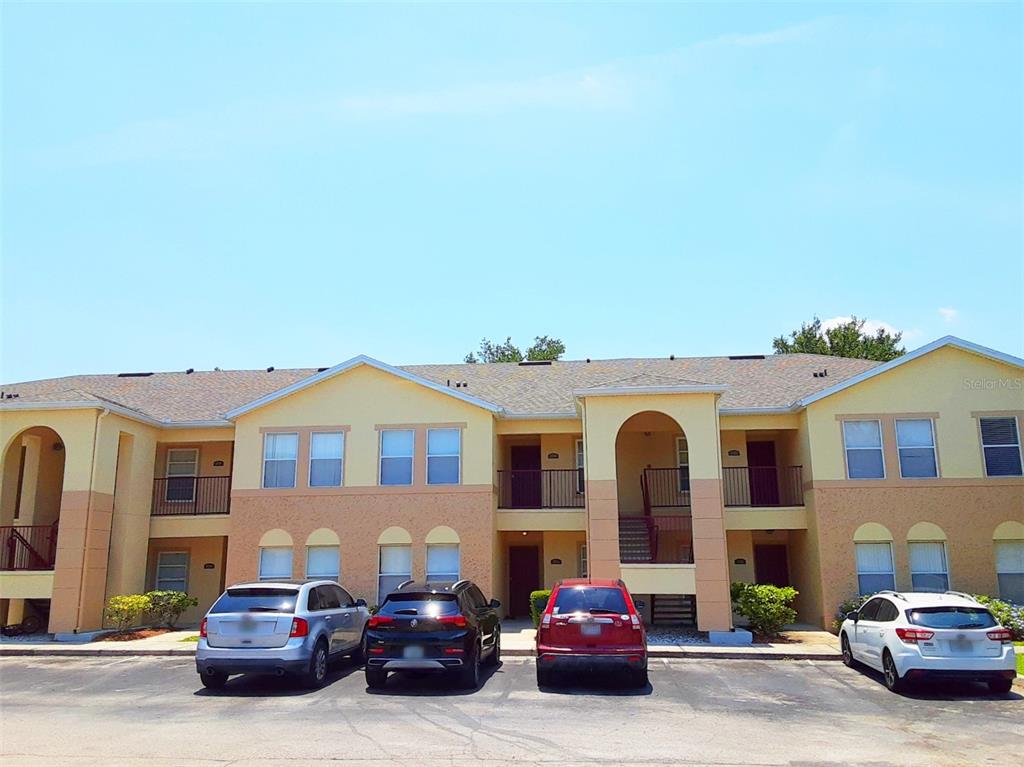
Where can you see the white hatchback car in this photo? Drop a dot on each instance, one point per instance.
(916, 635)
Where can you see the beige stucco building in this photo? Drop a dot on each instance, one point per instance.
(678, 475)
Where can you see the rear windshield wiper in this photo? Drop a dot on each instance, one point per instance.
(263, 610)
(406, 611)
(603, 611)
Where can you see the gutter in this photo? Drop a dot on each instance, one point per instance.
(88, 514)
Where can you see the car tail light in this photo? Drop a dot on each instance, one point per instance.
(376, 621)
(202, 629)
(635, 621)
(300, 627)
(545, 620)
(454, 651)
(1000, 635)
(376, 651)
(458, 621)
(913, 636)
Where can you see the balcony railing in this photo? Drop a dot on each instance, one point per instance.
(659, 539)
(540, 489)
(665, 488)
(191, 496)
(765, 486)
(28, 547)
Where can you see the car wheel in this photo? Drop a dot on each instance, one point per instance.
(214, 681)
(317, 673)
(376, 678)
(359, 654)
(495, 657)
(1000, 686)
(892, 677)
(469, 674)
(640, 679)
(848, 658)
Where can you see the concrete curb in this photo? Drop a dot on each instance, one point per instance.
(8, 652)
(707, 654)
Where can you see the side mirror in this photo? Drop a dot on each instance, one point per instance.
(853, 615)
(495, 604)
(359, 603)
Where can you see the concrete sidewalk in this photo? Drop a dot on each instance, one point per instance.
(169, 644)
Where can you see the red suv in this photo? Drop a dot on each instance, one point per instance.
(591, 623)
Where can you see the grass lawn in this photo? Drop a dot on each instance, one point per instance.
(1020, 664)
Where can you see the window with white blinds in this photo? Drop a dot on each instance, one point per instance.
(928, 568)
(863, 443)
(1010, 570)
(915, 441)
(874, 567)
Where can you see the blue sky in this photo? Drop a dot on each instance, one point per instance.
(244, 186)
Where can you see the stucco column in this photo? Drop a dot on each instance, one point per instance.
(602, 500)
(714, 606)
(133, 494)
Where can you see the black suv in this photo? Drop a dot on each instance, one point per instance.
(432, 627)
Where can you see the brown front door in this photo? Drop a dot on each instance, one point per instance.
(764, 476)
(771, 565)
(523, 577)
(525, 460)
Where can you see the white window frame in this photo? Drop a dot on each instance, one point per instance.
(458, 553)
(263, 466)
(309, 476)
(892, 560)
(335, 576)
(381, 457)
(981, 437)
(680, 464)
(381, 574)
(582, 563)
(1006, 542)
(899, 455)
(259, 563)
(426, 460)
(194, 475)
(156, 579)
(580, 461)
(945, 563)
(880, 448)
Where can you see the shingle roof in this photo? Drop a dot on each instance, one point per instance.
(769, 382)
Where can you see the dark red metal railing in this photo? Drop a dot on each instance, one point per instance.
(664, 488)
(28, 547)
(540, 489)
(763, 486)
(190, 496)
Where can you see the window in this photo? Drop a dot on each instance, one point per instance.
(280, 452)
(1010, 570)
(395, 568)
(326, 459)
(172, 571)
(915, 441)
(444, 449)
(275, 562)
(1000, 440)
(928, 571)
(874, 567)
(583, 560)
(579, 466)
(344, 598)
(323, 562)
(683, 462)
(869, 611)
(887, 612)
(396, 451)
(182, 468)
(863, 440)
(442, 563)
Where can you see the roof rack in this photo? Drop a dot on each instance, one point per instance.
(969, 597)
(896, 594)
(458, 583)
(403, 584)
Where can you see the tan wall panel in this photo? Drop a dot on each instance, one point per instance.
(204, 584)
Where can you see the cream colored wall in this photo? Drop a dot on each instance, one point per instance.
(741, 546)
(563, 546)
(545, 519)
(941, 382)
(734, 440)
(75, 429)
(539, 426)
(361, 399)
(205, 585)
(637, 451)
(752, 422)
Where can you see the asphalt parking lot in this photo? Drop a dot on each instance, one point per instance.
(84, 711)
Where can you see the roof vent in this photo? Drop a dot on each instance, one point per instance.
(823, 373)
(270, 369)
(134, 375)
(672, 357)
(530, 363)
(746, 356)
(8, 395)
(190, 371)
(588, 360)
(321, 370)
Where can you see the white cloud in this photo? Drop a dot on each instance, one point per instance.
(949, 315)
(870, 326)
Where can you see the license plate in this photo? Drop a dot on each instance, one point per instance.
(412, 652)
(961, 645)
(590, 629)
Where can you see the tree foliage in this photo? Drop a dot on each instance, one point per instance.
(845, 340)
(544, 348)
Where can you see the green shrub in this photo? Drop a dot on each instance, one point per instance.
(848, 606)
(167, 606)
(766, 608)
(538, 601)
(124, 611)
(1009, 616)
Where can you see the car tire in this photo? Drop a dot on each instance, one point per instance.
(1000, 686)
(640, 678)
(376, 678)
(893, 681)
(316, 675)
(469, 673)
(848, 659)
(214, 681)
(495, 657)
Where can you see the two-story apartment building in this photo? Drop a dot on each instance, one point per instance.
(679, 475)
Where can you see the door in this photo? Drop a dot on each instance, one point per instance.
(771, 565)
(523, 577)
(324, 605)
(525, 460)
(865, 633)
(764, 475)
(348, 626)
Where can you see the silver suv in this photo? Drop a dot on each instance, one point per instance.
(280, 627)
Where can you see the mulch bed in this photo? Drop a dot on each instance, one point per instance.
(129, 635)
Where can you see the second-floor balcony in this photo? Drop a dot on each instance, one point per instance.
(540, 489)
(28, 547)
(742, 486)
(191, 496)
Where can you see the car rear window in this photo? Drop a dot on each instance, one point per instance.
(256, 601)
(420, 604)
(589, 599)
(952, 617)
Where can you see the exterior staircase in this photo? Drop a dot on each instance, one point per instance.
(635, 540)
(673, 610)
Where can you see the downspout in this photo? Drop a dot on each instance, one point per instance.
(88, 512)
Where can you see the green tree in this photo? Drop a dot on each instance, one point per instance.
(845, 340)
(544, 348)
